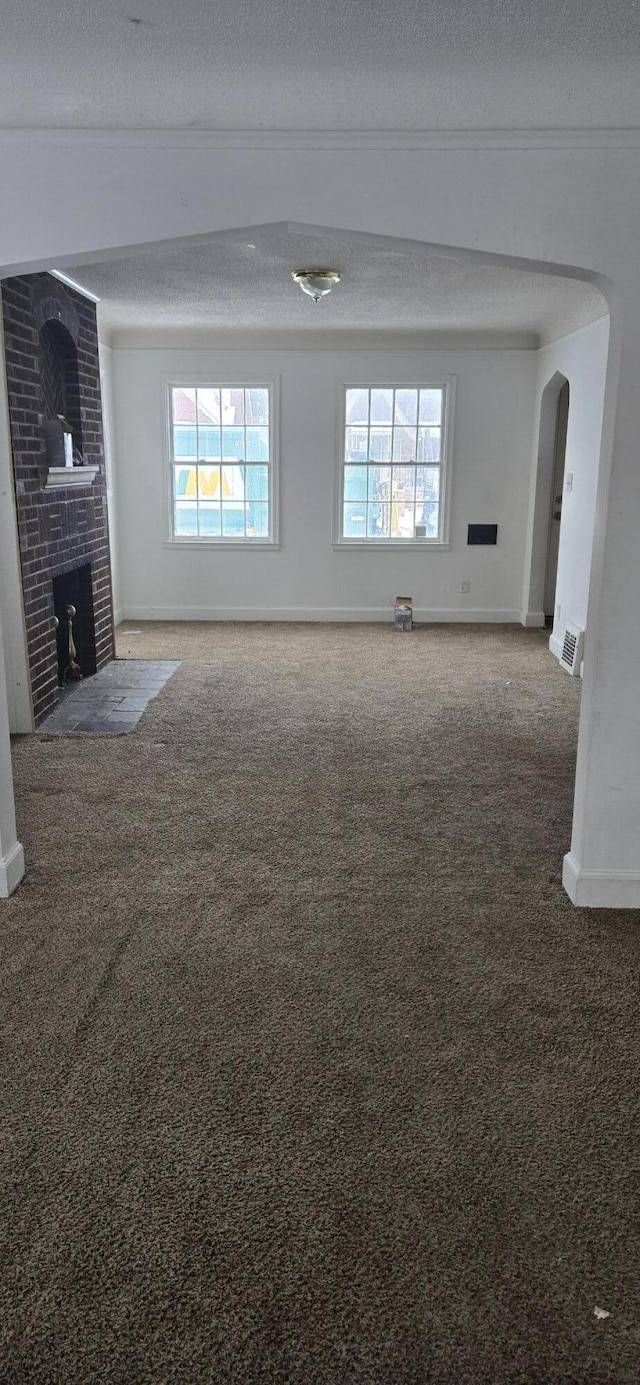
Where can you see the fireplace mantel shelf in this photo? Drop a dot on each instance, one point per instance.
(71, 476)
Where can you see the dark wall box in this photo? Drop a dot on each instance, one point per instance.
(482, 533)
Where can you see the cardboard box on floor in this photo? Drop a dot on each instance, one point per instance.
(404, 612)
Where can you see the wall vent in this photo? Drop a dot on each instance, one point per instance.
(571, 657)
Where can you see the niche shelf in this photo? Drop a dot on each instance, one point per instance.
(71, 476)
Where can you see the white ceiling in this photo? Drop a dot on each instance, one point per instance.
(242, 281)
(292, 64)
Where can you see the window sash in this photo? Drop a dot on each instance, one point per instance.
(221, 463)
(393, 465)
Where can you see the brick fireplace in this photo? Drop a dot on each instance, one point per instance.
(51, 350)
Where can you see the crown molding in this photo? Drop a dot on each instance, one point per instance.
(402, 140)
(548, 342)
(164, 338)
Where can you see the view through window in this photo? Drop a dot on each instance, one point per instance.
(393, 464)
(221, 462)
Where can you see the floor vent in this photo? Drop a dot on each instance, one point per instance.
(571, 657)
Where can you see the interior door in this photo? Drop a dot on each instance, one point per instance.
(562, 419)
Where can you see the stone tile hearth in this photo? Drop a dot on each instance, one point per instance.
(111, 702)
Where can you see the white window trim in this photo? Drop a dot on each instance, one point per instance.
(197, 378)
(439, 545)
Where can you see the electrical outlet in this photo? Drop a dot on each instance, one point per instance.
(568, 485)
(464, 587)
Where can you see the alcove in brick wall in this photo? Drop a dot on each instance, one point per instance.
(60, 378)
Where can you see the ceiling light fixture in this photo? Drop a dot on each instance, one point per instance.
(316, 282)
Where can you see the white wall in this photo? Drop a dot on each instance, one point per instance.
(582, 358)
(308, 578)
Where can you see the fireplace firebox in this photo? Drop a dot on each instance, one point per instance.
(75, 632)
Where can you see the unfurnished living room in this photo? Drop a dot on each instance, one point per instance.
(319, 691)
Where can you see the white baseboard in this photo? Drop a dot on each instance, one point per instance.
(11, 870)
(20, 717)
(532, 619)
(316, 613)
(118, 615)
(600, 889)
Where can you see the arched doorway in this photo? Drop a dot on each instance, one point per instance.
(469, 257)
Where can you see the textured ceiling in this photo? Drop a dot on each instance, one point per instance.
(290, 64)
(243, 281)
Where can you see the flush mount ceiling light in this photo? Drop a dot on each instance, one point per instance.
(316, 282)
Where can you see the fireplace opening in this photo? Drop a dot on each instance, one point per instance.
(73, 602)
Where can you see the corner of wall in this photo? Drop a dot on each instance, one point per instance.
(600, 889)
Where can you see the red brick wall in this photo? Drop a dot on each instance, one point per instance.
(58, 529)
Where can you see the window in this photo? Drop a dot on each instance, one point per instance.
(222, 482)
(393, 465)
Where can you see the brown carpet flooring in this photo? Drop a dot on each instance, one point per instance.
(312, 1074)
